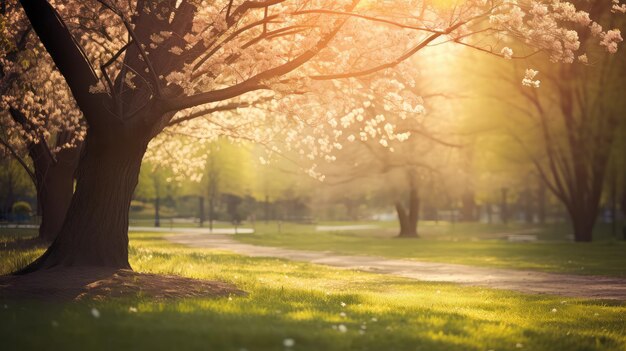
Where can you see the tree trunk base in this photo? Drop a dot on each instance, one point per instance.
(95, 229)
(411, 235)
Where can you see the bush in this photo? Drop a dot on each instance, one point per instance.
(21, 210)
(137, 206)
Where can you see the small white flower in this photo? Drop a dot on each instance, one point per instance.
(342, 328)
(343, 304)
(95, 313)
(507, 53)
(342, 314)
(289, 342)
(176, 50)
(554, 310)
(132, 309)
(361, 332)
(529, 79)
(374, 319)
(519, 345)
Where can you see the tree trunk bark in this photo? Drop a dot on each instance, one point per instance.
(624, 211)
(583, 224)
(468, 211)
(267, 209)
(54, 179)
(157, 211)
(408, 219)
(55, 187)
(614, 202)
(201, 210)
(95, 230)
(504, 215)
(541, 199)
(211, 212)
(529, 212)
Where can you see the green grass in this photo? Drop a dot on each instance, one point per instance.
(9, 260)
(471, 244)
(303, 302)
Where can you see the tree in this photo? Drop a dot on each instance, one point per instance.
(577, 135)
(180, 60)
(40, 126)
(402, 144)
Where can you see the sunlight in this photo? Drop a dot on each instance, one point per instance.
(312, 175)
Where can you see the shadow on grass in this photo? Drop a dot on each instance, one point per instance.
(263, 320)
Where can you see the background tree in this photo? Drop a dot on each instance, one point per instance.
(40, 125)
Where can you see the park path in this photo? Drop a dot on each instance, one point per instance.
(585, 286)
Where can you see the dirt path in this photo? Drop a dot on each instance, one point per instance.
(597, 287)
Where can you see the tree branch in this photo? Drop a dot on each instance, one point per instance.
(67, 55)
(207, 111)
(254, 83)
(391, 64)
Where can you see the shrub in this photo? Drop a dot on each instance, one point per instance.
(137, 206)
(21, 211)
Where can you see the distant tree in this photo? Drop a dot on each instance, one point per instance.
(578, 134)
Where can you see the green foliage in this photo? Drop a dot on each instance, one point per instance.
(137, 206)
(14, 182)
(21, 208)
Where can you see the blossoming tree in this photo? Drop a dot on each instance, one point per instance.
(38, 119)
(181, 60)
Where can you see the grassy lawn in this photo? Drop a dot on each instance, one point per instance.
(472, 244)
(305, 303)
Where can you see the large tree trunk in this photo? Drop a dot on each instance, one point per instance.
(53, 177)
(95, 230)
(583, 214)
(55, 186)
(408, 219)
